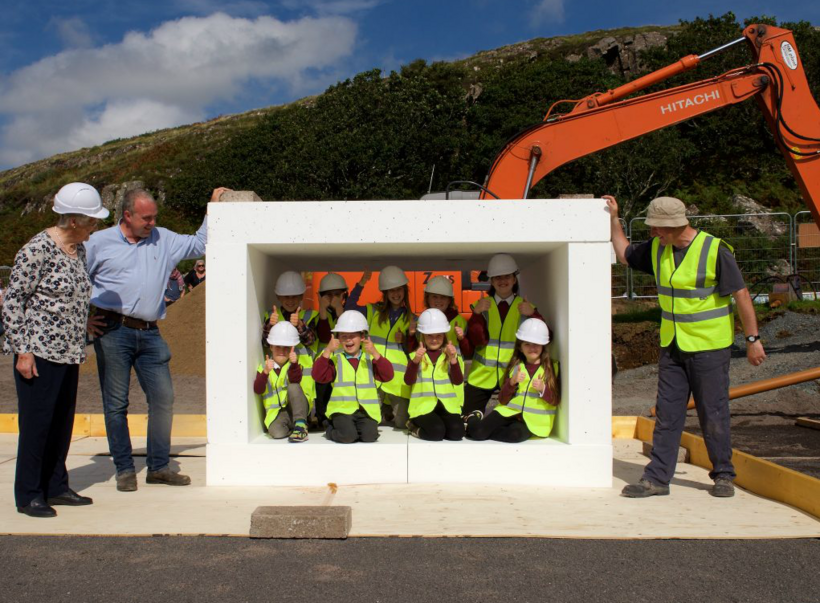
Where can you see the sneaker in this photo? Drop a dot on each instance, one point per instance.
(167, 477)
(643, 489)
(299, 434)
(127, 481)
(723, 488)
(477, 414)
(413, 428)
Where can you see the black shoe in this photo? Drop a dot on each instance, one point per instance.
(70, 498)
(167, 477)
(643, 489)
(723, 488)
(127, 481)
(37, 508)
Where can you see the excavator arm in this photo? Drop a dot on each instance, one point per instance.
(599, 121)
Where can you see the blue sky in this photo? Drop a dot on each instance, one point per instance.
(75, 73)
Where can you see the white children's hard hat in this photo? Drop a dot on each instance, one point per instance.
(433, 321)
(391, 277)
(79, 198)
(501, 264)
(533, 330)
(332, 281)
(440, 285)
(351, 321)
(283, 333)
(290, 283)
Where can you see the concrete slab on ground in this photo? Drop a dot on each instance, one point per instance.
(415, 510)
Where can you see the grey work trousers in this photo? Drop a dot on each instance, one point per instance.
(296, 410)
(395, 406)
(704, 375)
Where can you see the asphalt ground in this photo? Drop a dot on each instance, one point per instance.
(202, 570)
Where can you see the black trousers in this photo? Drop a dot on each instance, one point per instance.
(476, 398)
(45, 406)
(347, 429)
(704, 375)
(323, 393)
(438, 425)
(499, 428)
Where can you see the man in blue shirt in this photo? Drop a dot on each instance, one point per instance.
(129, 265)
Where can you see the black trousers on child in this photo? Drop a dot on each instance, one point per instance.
(347, 429)
(439, 424)
(476, 398)
(496, 427)
(45, 406)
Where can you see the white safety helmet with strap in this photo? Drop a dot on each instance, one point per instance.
(290, 283)
(433, 321)
(332, 282)
(533, 330)
(283, 333)
(79, 198)
(440, 285)
(501, 264)
(391, 277)
(351, 321)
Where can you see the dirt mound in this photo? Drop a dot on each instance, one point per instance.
(635, 344)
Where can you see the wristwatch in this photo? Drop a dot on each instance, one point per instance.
(753, 338)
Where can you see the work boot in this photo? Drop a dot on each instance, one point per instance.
(723, 488)
(643, 489)
(167, 477)
(127, 481)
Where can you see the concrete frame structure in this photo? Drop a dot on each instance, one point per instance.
(563, 250)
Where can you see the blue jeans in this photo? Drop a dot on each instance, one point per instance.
(119, 349)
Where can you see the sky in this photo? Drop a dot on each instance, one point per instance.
(77, 73)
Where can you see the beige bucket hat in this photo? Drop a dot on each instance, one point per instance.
(666, 211)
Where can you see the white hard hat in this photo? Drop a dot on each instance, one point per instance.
(332, 281)
(351, 321)
(533, 330)
(290, 283)
(440, 285)
(433, 321)
(283, 333)
(391, 277)
(79, 198)
(501, 264)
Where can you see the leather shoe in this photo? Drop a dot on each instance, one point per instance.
(70, 498)
(723, 488)
(37, 508)
(643, 489)
(167, 477)
(127, 481)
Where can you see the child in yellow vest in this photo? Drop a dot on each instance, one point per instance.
(332, 297)
(529, 396)
(435, 375)
(280, 384)
(354, 409)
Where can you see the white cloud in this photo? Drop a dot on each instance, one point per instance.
(159, 79)
(548, 11)
(73, 32)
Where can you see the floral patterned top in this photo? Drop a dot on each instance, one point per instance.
(46, 303)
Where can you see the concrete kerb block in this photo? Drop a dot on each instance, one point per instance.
(683, 453)
(239, 196)
(301, 522)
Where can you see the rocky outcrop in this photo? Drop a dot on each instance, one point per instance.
(112, 196)
(772, 227)
(622, 55)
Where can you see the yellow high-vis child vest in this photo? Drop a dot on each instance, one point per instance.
(458, 321)
(433, 384)
(275, 397)
(383, 337)
(538, 414)
(305, 354)
(692, 312)
(354, 388)
(490, 361)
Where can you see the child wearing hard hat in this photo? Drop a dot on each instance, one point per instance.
(435, 375)
(491, 331)
(332, 297)
(529, 394)
(388, 323)
(353, 365)
(280, 383)
(438, 294)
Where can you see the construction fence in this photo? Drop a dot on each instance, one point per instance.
(770, 248)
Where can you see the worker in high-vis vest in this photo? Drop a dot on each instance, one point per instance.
(435, 375)
(354, 366)
(290, 291)
(491, 331)
(280, 385)
(389, 322)
(530, 394)
(332, 296)
(696, 276)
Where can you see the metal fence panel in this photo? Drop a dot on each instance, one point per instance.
(5, 272)
(807, 249)
(620, 272)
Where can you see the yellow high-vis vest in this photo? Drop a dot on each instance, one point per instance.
(354, 388)
(275, 396)
(692, 312)
(433, 384)
(383, 337)
(527, 401)
(490, 361)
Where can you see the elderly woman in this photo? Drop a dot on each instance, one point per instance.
(45, 313)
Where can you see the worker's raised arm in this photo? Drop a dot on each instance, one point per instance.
(618, 237)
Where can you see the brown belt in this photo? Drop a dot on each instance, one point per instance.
(128, 321)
